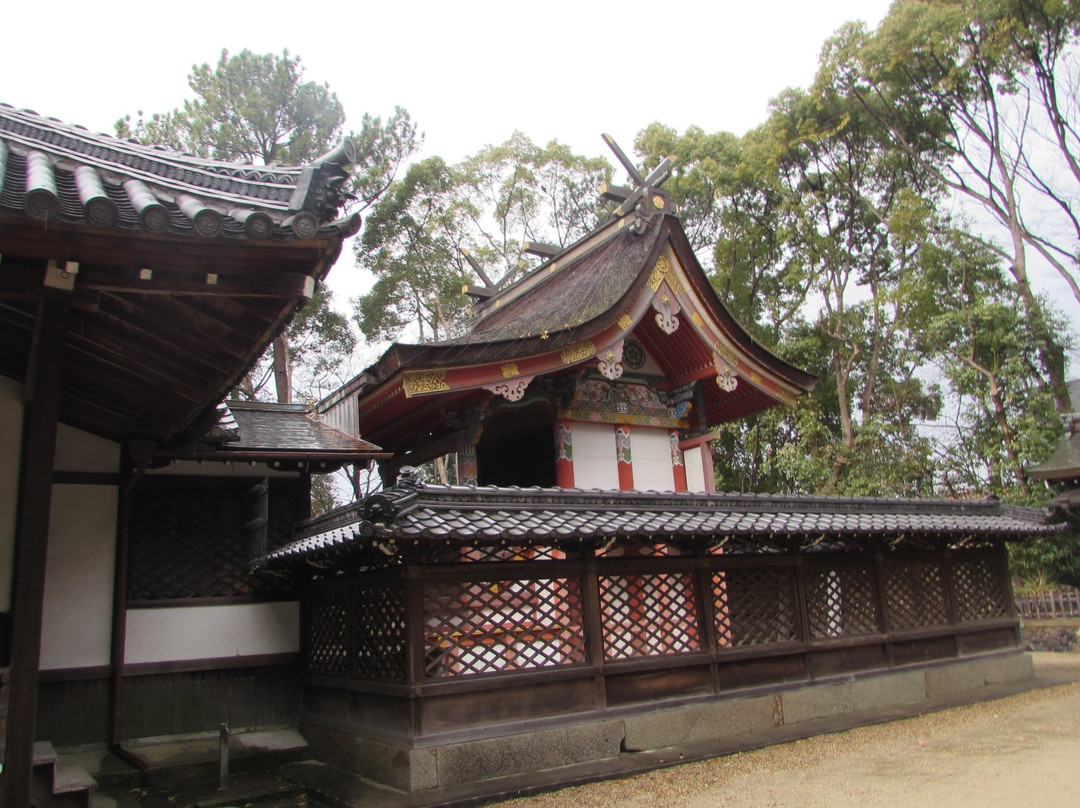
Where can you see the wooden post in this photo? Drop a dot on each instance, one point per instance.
(593, 617)
(42, 404)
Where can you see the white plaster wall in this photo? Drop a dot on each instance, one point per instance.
(80, 451)
(595, 463)
(695, 472)
(212, 632)
(11, 417)
(76, 628)
(651, 450)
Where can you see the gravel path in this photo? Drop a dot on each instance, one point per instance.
(1018, 751)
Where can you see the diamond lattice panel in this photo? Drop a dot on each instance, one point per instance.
(191, 542)
(981, 589)
(755, 606)
(326, 633)
(915, 594)
(378, 627)
(841, 602)
(489, 626)
(648, 615)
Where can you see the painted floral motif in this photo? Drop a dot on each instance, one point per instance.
(622, 445)
(600, 401)
(676, 453)
(564, 443)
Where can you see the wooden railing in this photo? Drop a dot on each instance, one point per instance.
(1050, 604)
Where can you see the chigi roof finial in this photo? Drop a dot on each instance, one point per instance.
(646, 199)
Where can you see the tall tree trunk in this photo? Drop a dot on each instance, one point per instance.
(282, 370)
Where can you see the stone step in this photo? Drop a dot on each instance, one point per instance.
(59, 784)
(172, 762)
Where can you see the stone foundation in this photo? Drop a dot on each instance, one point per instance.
(425, 765)
(1050, 635)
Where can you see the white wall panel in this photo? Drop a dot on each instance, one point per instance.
(76, 628)
(695, 472)
(80, 451)
(651, 451)
(595, 465)
(212, 632)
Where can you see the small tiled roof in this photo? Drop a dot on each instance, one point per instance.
(51, 171)
(254, 430)
(548, 517)
(1064, 463)
(288, 427)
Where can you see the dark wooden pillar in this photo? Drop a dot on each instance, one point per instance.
(42, 400)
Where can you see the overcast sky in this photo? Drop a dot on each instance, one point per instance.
(470, 73)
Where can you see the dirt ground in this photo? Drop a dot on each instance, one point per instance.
(1018, 751)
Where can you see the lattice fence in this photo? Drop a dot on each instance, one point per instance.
(915, 594)
(482, 627)
(841, 601)
(981, 589)
(378, 631)
(508, 622)
(755, 606)
(326, 634)
(648, 615)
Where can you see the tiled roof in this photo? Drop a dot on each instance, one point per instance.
(51, 170)
(268, 432)
(546, 517)
(288, 427)
(581, 289)
(1064, 463)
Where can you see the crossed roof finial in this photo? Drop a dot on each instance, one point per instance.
(645, 188)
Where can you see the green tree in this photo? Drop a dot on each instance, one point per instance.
(981, 93)
(259, 109)
(411, 244)
(972, 326)
(418, 235)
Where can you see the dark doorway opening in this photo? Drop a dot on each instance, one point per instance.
(517, 447)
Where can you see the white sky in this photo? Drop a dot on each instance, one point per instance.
(469, 72)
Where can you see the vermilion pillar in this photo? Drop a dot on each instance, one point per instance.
(564, 455)
(624, 457)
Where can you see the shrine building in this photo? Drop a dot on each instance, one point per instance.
(580, 594)
(137, 288)
(584, 592)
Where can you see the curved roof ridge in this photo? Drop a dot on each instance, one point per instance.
(52, 170)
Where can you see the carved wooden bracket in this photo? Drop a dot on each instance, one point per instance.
(611, 361)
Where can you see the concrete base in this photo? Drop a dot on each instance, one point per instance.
(724, 718)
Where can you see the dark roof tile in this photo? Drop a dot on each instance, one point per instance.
(551, 516)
